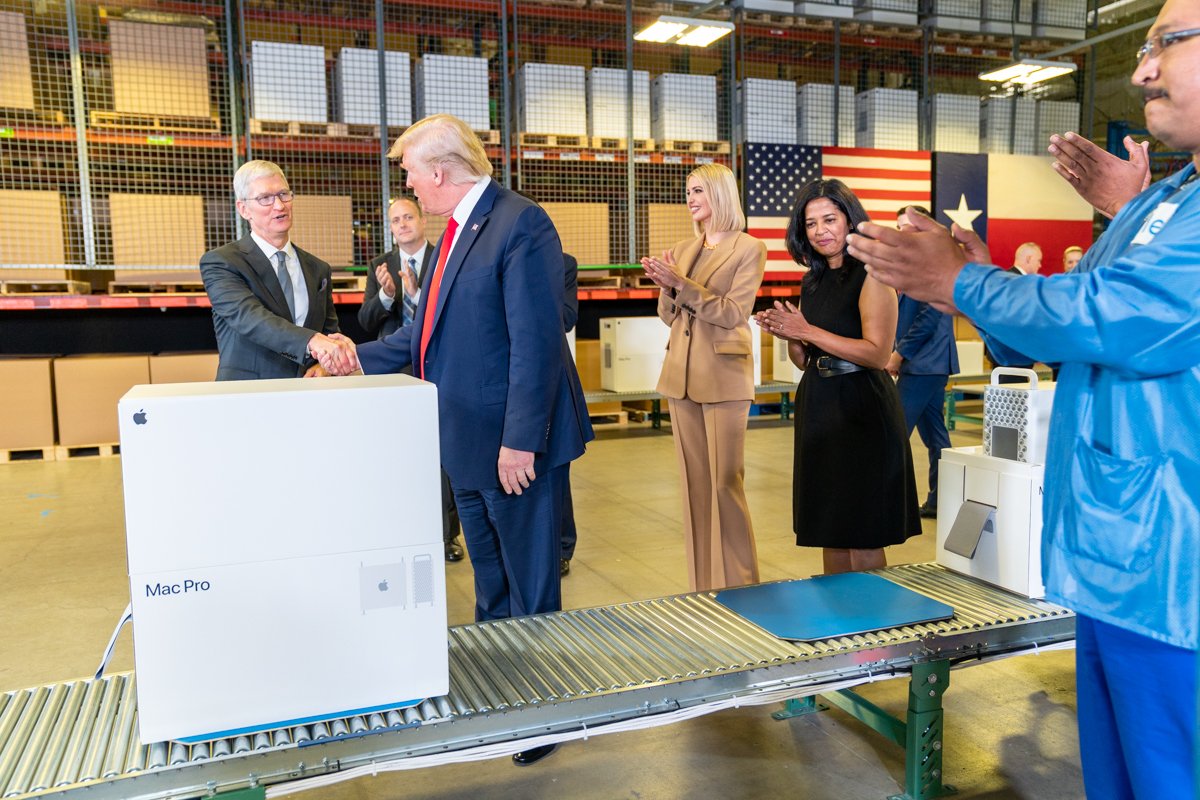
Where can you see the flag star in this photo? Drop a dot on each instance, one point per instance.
(964, 216)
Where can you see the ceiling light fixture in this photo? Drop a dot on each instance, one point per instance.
(1028, 71)
(684, 31)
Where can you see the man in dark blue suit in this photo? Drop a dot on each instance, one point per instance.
(489, 332)
(924, 357)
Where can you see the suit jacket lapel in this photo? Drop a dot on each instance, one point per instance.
(715, 262)
(265, 272)
(465, 237)
(312, 277)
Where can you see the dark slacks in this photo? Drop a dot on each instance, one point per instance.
(450, 522)
(922, 397)
(514, 542)
(569, 534)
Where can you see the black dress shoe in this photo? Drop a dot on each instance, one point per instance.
(564, 567)
(453, 551)
(533, 755)
(928, 511)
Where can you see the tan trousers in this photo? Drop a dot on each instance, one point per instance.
(710, 440)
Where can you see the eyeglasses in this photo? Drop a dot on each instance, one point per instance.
(268, 200)
(1153, 47)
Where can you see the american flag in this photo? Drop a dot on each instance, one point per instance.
(775, 174)
(883, 180)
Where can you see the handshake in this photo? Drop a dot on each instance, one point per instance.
(335, 355)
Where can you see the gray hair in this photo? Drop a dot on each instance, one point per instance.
(251, 171)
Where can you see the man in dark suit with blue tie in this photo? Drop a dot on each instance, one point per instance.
(924, 357)
(272, 303)
(489, 332)
(398, 272)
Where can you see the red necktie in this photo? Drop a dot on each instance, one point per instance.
(434, 284)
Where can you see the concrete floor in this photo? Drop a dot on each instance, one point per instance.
(1010, 726)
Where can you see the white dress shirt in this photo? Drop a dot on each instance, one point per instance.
(299, 288)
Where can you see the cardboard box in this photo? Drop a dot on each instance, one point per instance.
(183, 367)
(16, 75)
(26, 404)
(356, 87)
(587, 362)
(288, 82)
(667, 224)
(323, 225)
(632, 350)
(31, 228)
(137, 243)
(159, 69)
(86, 391)
(458, 85)
(583, 229)
(252, 566)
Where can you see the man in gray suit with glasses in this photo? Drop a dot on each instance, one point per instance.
(272, 303)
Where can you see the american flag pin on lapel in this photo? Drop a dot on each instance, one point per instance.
(475, 227)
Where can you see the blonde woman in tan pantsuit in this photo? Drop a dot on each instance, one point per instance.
(707, 290)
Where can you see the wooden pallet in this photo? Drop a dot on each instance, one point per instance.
(10, 117)
(347, 282)
(156, 287)
(267, 127)
(489, 137)
(611, 419)
(693, 146)
(551, 140)
(87, 451)
(153, 122)
(27, 454)
(599, 281)
(639, 282)
(772, 20)
(45, 287)
(357, 130)
(615, 143)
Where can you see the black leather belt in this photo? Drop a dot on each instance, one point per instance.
(828, 366)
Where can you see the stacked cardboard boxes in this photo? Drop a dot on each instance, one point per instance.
(323, 225)
(955, 15)
(768, 111)
(455, 85)
(886, 119)
(608, 108)
(1060, 19)
(886, 12)
(86, 391)
(548, 99)
(16, 73)
(356, 87)
(159, 69)
(955, 123)
(684, 107)
(26, 404)
(997, 131)
(998, 17)
(288, 82)
(815, 115)
(31, 232)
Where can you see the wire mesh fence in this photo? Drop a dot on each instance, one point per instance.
(121, 125)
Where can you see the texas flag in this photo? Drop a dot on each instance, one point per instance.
(1009, 200)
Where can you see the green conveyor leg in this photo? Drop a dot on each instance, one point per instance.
(798, 707)
(249, 793)
(924, 733)
(785, 406)
(656, 414)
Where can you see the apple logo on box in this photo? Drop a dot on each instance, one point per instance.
(139, 417)
(383, 587)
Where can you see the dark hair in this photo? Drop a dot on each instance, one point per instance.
(799, 248)
(918, 209)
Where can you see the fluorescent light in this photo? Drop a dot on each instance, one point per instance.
(1028, 71)
(705, 34)
(684, 31)
(663, 30)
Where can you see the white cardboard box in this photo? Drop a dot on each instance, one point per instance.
(356, 87)
(782, 367)
(1008, 552)
(455, 85)
(684, 107)
(607, 108)
(632, 350)
(548, 99)
(259, 599)
(288, 82)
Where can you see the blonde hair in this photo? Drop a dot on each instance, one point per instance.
(445, 141)
(722, 192)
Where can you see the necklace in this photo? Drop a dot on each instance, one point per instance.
(706, 245)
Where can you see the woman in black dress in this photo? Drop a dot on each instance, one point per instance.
(854, 492)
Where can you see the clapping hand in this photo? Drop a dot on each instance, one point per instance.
(663, 271)
(411, 287)
(335, 352)
(784, 321)
(1106, 181)
(386, 284)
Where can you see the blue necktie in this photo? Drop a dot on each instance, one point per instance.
(409, 312)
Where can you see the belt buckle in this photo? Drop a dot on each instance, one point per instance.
(823, 362)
